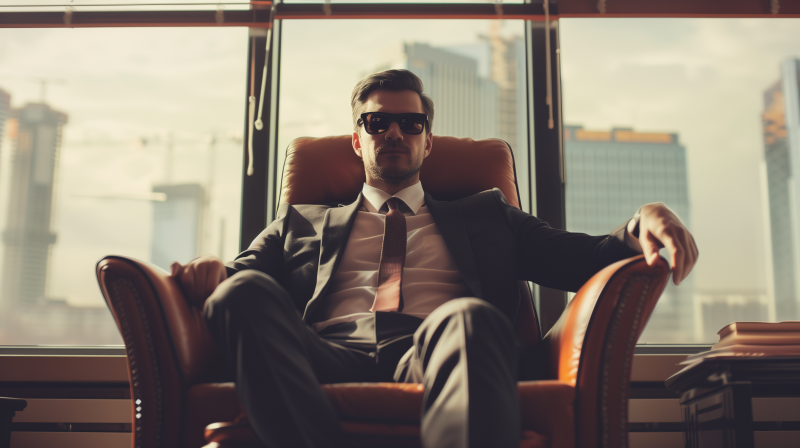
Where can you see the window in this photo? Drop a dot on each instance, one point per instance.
(700, 114)
(474, 70)
(114, 141)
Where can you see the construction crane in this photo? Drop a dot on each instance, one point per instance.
(43, 83)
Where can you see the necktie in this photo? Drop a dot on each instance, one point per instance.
(393, 255)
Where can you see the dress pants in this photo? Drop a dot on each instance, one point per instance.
(465, 354)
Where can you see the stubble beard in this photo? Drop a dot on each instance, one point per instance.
(393, 176)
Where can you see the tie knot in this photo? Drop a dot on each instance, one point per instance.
(393, 203)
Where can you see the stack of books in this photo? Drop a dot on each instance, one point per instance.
(754, 339)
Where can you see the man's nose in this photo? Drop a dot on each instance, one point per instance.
(394, 132)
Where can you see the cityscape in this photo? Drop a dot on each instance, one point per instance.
(29, 235)
(480, 92)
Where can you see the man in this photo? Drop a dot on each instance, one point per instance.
(398, 286)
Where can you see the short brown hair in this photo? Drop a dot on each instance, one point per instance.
(395, 80)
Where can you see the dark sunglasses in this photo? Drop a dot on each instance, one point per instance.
(378, 122)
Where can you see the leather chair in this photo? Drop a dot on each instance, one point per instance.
(580, 399)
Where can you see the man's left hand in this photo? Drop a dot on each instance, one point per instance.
(660, 227)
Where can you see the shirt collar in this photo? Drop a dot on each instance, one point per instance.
(374, 198)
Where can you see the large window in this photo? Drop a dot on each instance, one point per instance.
(474, 70)
(114, 141)
(701, 114)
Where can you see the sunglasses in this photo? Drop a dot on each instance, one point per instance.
(378, 122)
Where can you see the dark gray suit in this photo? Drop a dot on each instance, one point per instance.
(292, 262)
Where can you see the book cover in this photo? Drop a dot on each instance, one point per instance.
(788, 326)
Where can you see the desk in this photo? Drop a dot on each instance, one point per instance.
(716, 396)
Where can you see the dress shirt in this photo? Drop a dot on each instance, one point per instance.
(430, 276)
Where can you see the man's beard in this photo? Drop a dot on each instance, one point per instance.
(393, 176)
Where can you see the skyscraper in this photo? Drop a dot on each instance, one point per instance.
(478, 90)
(466, 103)
(781, 127)
(177, 224)
(29, 234)
(610, 174)
(5, 105)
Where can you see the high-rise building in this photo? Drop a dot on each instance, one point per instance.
(29, 234)
(5, 105)
(177, 224)
(609, 175)
(781, 126)
(478, 89)
(465, 103)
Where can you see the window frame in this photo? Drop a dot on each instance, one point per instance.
(546, 163)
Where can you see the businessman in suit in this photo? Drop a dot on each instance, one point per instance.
(398, 286)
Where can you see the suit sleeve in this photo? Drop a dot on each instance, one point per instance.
(265, 253)
(559, 259)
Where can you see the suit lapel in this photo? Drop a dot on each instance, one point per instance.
(336, 227)
(448, 217)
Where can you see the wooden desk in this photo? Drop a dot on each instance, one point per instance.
(716, 397)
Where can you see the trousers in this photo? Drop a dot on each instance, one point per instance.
(465, 353)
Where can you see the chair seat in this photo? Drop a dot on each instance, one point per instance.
(546, 408)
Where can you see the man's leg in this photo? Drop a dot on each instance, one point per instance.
(279, 362)
(466, 355)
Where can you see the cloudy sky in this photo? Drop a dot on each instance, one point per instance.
(126, 91)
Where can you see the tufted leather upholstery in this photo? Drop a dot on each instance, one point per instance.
(325, 170)
(175, 369)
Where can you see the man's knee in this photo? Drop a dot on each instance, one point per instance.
(245, 292)
(479, 318)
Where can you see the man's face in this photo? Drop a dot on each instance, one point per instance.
(392, 157)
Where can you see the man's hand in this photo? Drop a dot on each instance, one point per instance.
(200, 277)
(660, 227)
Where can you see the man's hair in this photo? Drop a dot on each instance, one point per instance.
(395, 80)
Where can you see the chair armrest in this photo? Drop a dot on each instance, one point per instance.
(167, 344)
(591, 346)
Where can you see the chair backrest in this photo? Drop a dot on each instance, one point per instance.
(326, 169)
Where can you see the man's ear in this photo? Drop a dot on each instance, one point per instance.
(428, 144)
(357, 143)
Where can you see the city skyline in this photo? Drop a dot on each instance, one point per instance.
(701, 78)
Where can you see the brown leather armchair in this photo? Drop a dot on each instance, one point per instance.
(580, 401)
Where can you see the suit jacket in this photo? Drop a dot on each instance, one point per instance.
(493, 244)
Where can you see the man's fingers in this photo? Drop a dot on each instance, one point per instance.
(676, 253)
(691, 255)
(650, 246)
(200, 277)
(214, 276)
(189, 279)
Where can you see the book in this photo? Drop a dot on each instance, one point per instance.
(749, 351)
(765, 338)
(759, 328)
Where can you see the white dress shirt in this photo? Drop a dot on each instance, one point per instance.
(430, 276)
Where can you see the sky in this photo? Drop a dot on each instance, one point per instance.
(127, 90)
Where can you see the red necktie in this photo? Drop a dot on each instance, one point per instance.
(393, 255)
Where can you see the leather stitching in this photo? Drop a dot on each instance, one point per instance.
(118, 287)
(607, 355)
